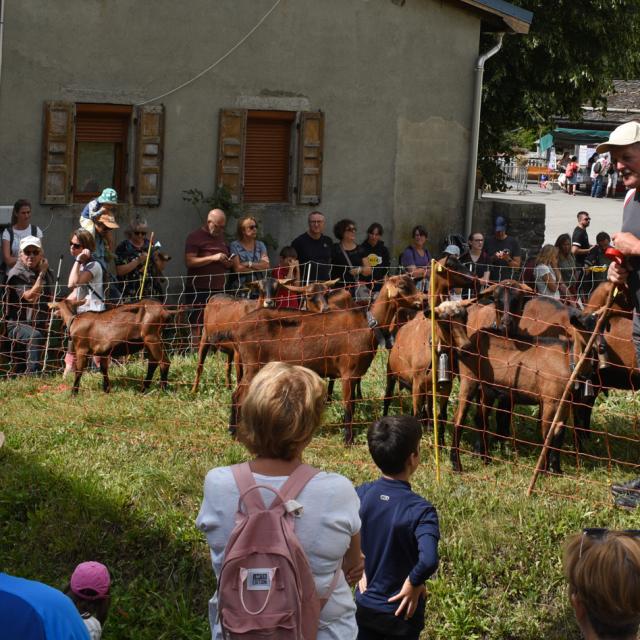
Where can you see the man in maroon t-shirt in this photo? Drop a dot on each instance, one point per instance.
(206, 255)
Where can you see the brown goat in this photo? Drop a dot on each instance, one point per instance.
(530, 372)
(340, 344)
(223, 312)
(120, 331)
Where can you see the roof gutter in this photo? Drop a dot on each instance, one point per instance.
(475, 135)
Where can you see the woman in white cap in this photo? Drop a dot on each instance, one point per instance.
(20, 227)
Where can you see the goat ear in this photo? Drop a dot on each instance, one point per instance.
(292, 288)
(52, 305)
(76, 303)
(252, 284)
(526, 288)
(392, 290)
(488, 291)
(330, 283)
(284, 281)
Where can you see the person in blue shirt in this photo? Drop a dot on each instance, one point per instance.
(400, 535)
(31, 610)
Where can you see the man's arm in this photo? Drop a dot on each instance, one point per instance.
(192, 260)
(353, 561)
(33, 294)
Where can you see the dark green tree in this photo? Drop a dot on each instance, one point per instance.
(572, 54)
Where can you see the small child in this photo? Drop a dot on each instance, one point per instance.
(288, 268)
(400, 536)
(89, 590)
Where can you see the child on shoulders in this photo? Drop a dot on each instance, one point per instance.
(400, 536)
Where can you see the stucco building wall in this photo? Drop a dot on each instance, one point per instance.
(394, 82)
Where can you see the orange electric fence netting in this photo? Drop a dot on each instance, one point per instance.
(503, 369)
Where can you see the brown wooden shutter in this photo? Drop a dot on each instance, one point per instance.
(267, 156)
(149, 154)
(57, 153)
(231, 142)
(310, 149)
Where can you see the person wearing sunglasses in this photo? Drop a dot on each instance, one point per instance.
(131, 258)
(349, 262)
(249, 257)
(29, 289)
(602, 568)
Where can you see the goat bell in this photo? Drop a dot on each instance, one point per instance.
(587, 390)
(444, 373)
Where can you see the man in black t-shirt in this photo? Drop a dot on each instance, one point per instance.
(314, 250)
(503, 252)
(580, 245)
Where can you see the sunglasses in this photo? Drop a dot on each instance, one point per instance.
(350, 229)
(139, 233)
(419, 235)
(251, 227)
(36, 252)
(599, 533)
(75, 245)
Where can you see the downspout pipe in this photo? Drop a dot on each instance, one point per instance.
(475, 135)
(2, 3)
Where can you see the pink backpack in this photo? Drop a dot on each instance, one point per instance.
(266, 588)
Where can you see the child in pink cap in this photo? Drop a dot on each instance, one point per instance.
(89, 590)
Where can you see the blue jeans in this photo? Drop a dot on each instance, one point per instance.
(596, 187)
(27, 345)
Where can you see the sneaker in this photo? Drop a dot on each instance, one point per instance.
(631, 487)
(627, 500)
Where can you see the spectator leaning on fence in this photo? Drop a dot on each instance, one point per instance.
(20, 227)
(348, 260)
(377, 255)
(477, 261)
(250, 258)
(416, 258)
(314, 250)
(29, 289)
(131, 259)
(503, 252)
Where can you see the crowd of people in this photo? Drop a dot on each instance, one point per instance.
(104, 274)
(600, 170)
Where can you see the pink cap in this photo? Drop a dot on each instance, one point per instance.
(90, 581)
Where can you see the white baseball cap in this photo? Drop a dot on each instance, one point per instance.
(30, 241)
(627, 133)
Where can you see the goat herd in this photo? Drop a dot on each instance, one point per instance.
(507, 346)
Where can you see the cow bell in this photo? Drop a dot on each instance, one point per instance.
(603, 361)
(444, 374)
(587, 390)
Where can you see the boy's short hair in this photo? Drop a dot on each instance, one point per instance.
(288, 252)
(281, 411)
(392, 440)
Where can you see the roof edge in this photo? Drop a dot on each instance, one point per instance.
(515, 19)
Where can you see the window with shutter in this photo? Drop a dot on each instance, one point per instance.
(255, 151)
(57, 153)
(149, 154)
(267, 156)
(102, 133)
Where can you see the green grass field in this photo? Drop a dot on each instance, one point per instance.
(118, 478)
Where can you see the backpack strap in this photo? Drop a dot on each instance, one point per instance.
(245, 481)
(297, 481)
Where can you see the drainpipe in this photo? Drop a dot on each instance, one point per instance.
(475, 135)
(1, 33)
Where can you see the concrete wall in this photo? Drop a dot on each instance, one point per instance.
(395, 83)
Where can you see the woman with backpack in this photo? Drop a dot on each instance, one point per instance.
(20, 227)
(311, 514)
(572, 175)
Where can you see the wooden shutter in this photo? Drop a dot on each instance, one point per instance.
(231, 142)
(267, 156)
(149, 154)
(57, 153)
(310, 148)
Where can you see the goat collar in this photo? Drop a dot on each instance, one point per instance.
(379, 333)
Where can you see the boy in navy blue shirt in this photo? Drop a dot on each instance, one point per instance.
(400, 536)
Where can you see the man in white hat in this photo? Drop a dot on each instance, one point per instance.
(624, 146)
(29, 288)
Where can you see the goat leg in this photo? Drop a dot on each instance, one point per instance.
(347, 394)
(104, 369)
(202, 355)
(80, 364)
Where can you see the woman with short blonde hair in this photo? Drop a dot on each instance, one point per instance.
(279, 417)
(249, 257)
(602, 568)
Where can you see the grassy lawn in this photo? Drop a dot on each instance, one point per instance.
(118, 478)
